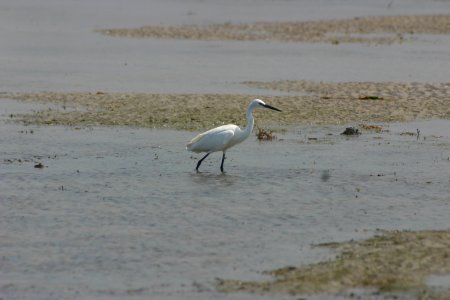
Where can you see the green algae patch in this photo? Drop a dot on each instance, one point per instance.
(397, 261)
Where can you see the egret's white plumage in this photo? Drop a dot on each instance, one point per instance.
(224, 137)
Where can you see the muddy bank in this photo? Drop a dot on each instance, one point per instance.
(324, 103)
(356, 30)
(391, 262)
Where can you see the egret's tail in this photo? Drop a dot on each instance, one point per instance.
(191, 145)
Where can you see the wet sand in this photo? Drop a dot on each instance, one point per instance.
(373, 30)
(324, 103)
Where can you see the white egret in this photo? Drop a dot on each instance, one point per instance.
(224, 137)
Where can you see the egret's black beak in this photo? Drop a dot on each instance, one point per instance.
(271, 107)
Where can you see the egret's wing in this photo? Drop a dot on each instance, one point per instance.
(219, 140)
(212, 140)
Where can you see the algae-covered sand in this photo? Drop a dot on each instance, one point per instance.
(397, 261)
(320, 103)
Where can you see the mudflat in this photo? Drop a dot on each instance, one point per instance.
(319, 103)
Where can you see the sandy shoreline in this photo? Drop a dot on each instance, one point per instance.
(324, 103)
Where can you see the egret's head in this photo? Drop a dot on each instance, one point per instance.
(259, 103)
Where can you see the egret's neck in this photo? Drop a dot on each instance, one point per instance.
(250, 122)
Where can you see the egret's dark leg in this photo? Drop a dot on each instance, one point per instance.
(221, 165)
(200, 161)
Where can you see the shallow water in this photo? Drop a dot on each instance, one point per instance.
(53, 47)
(120, 212)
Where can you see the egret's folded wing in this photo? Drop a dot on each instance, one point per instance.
(211, 141)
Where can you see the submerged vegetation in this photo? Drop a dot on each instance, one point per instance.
(265, 135)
